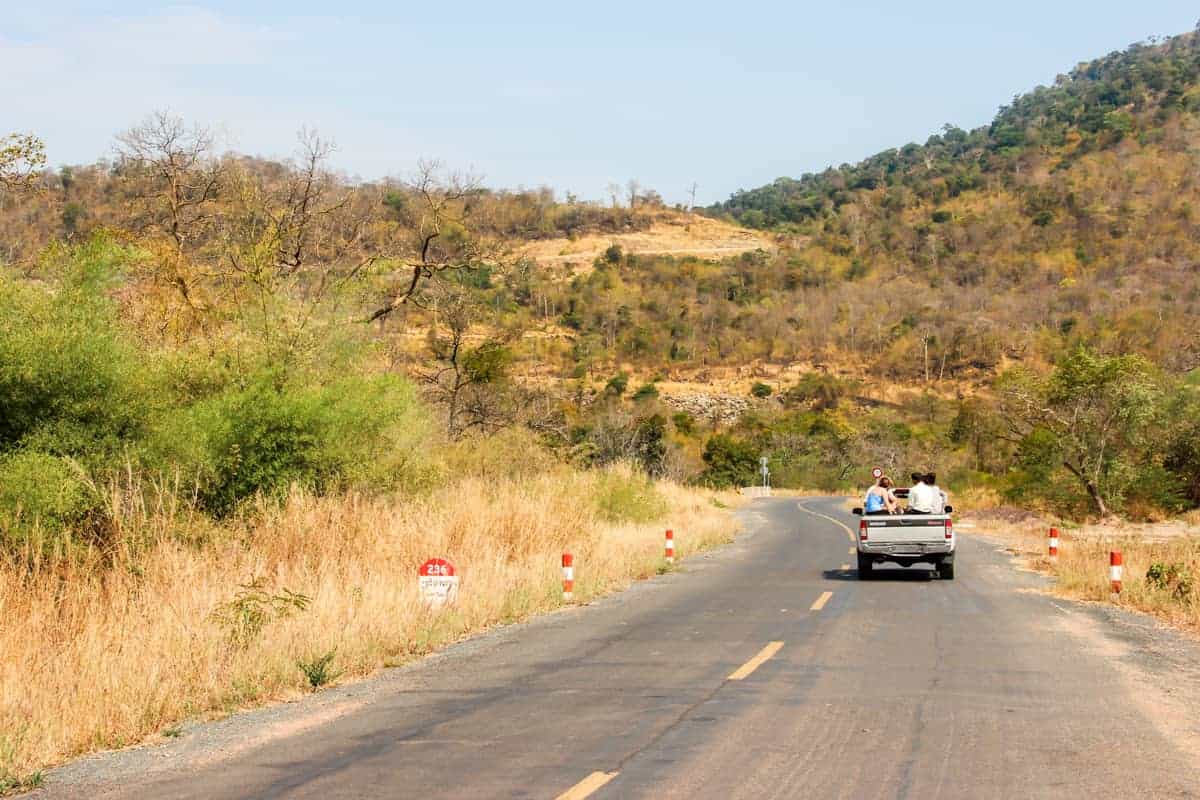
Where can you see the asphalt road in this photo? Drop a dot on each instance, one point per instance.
(904, 686)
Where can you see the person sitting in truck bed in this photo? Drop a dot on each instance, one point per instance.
(931, 480)
(880, 500)
(925, 497)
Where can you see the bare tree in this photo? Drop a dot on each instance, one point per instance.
(173, 176)
(614, 193)
(633, 192)
(294, 240)
(441, 227)
(173, 170)
(692, 192)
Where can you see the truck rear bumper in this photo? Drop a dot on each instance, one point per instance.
(912, 551)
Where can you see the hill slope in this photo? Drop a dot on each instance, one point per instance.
(868, 313)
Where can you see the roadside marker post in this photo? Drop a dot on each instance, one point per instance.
(670, 547)
(1054, 542)
(438, 582)
(1114, 570)
(568, 568)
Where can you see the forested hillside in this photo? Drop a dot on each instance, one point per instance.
(1072, 216)
(1056, 249)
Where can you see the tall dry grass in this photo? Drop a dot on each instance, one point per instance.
(103, 651)
(976, 498)
(1082, 565)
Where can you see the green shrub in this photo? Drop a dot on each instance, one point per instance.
(817, 390)
(730, 462)
(487, 363)
(41, 494)
(623, 496)
(1158, 487)
(253, 607)
(617, 384)
(319, 670)
(647, 391)
(684, 423)
(71, 382)
(265, 438)
(1175, 577)
(512, 452)
(760, 390)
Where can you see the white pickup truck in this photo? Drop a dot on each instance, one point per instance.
(906, 539)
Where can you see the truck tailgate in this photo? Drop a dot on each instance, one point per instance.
(905, 529)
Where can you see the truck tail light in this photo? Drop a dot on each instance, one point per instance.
(862, 530)
(949, 529)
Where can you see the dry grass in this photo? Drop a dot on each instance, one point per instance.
(976, 498)
(1082, 564)
(103, 653)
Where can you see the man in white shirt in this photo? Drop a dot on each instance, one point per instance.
(938, 495)
(924, 497)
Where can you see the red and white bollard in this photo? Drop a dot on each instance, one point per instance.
(1054, 542)
(670, 547)
(1114, 570)
(568, 566)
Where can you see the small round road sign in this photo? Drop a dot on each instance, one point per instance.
(877, 473)
(438, 582)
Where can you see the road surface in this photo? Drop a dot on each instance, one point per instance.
(766, 670)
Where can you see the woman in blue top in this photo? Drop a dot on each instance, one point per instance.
(879, 499)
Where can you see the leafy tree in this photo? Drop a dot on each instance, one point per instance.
(651, 445)
(817, 389)
(469, 383)
(976, 427)
(22, 157)
(729, 462)
(1093, 415)
(1182, 457)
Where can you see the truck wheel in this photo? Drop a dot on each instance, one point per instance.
(946, 569)
(865, 567)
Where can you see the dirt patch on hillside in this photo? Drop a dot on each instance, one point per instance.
(687, 235)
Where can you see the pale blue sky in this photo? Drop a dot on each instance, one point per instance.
(569, 95)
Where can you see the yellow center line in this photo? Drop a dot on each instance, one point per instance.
(843, 526)
(763, 655)
(845, 567)
(823, 599)
(853, 551)
(588, 785)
